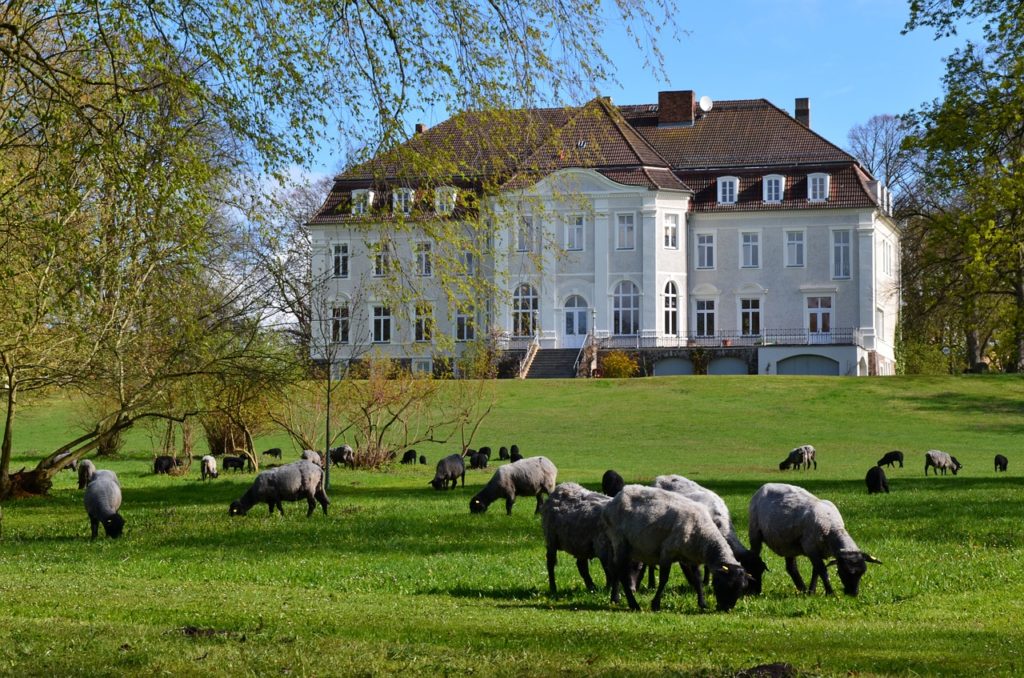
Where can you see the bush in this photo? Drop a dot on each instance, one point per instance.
(618, 365)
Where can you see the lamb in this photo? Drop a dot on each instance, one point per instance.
(502, 453)
(208, 467)
(165, 463)
(485, 450)
(515, 456)
(1001, 462)
(802, 456)
(344, 455)
(752, 564)
(451, 468)
(478, 460)
(940, 460)
(237, 463)
(409, 457)
(273, 452)
(313, 456)
(86, 471)
(291, 482)
(659, 527)
(529, 477)
(876, 480)
(102, 503)
(891, 458)
(571, 519)
(423, 460)
(793, 522)
(612, 483)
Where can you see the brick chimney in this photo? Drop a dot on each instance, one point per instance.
(803, 111)
(421, 128)
(676, 108)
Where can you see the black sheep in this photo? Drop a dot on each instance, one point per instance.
(451, 468)
(876, 480)
(423, 459)
(1001, 463)
(612, 483)
(891, 458)
(273, 452)
(485, 450)
(503, 453)
(165, 464)
(236, 463)
(515, 456)
(478, 460)
(409, 457)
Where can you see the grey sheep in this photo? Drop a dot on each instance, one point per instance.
(103, 503)
(344, 455)
(571, 520)
(658, 527)
(793, 522)
(752, 564)
(291, 482)
(313, 456)
(800, 457)
(940, 460)
(86, 470)
(208, 467)
(876, 480)
(59, 459)
(449, 469)
(530, 477)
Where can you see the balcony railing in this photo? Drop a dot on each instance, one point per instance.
(792, 337)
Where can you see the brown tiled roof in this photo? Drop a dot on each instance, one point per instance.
(845, 189)
(651, 178)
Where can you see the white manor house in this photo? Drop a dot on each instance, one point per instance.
(725, 237)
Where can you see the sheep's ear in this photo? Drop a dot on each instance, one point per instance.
(870, 558)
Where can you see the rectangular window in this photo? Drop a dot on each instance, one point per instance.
(574, 233)
(525, 235)
(819, 315)
(705, 250)
(794, 248)
(840, 254)
(401, 201)
(339, 324)
(672, 231)
(773, 189)
(880, 323)
(361, 200)
(424, 328)
(422, 366)
(467, 263)
(751, 246)
(444, 200)
(465, 327)
(381, 325)
(705, 317)
(886, 257)
(424, 265)
(341, 260)
(626, 233)
(817, 187)
(381, 259)
(750, 317)
(727, 190)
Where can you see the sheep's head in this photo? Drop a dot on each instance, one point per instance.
(956, 465)
(755, 568)
(114, 526)
(437, 484)
(784, 465)
(729, 582)
(236, 509)
(476, 505)
(852, 565)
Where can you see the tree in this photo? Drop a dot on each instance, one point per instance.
(878, 145)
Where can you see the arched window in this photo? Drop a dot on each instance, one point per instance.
(576, 312)
(671, 309)
(524, 311)
(626, 309)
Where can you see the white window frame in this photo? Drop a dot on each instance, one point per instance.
(887, 251)
(575, 227)
(705, 251)
(381, 259)
(700, 328)
(424, 259)
(467, 263)
(838, 250)
(423, 327)
(818, 192)
(728, 187)
(750, 312)
(670, 305)
(880, 322)
(767, 192)
(423, 366)
(341, 324)
(362, 198)
(465, 325)
(625, 231)
(750, 250)
(793, 261)
(525, 234)
(525, 310)
(671, 231)
(340, 259)
(830, 312)
(444, 199)
(381, 324)
(626, 317)
(402, 200)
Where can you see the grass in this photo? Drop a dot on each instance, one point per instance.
(399, 578)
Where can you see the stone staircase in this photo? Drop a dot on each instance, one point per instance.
(553, 363)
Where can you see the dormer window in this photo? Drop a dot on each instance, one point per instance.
(444, 200)
(774, 188)
(817, 187)
(361, 201)
(728, 189)
(401, 201)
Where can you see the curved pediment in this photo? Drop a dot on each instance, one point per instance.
(575, 181)
(706, 290)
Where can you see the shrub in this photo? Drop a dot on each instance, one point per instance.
(618, 365)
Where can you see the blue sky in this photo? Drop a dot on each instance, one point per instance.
(847, 56)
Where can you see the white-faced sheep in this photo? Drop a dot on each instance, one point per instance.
(208, 467)
(103, 503)
(793, 522)
(571, 519)
(86, 470)
(449, 469)
(530, 477)
(876, 480)
(752, 563)
(291, 482)
(657, 527)
(1001, 463)
(940, 460)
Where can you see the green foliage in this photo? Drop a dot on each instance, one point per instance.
(618, 365)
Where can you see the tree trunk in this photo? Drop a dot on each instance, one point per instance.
(1016, 364)
(974, 363)
(5, 448)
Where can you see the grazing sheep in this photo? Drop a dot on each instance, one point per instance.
(530, 477)
(423, 460)
(752, 564)
(313, 456)
(793, 522)
(802, 456)
(291, 482)
(571, 520)
(515, 456)
(344, 455)
(102, 503)
(1001, 463)
(659, 527)
(478, 460)
(86, 470)
(71, 465)
(409, 457)
(451, 468)
(485, 450)
(165, 463)
(273, 452)
(612, 483)
(503, 453)
(208, 467)
(236, 463)
(940, 460)
(891, 458)
(876, 480)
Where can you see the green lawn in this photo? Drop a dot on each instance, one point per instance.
(399, 578)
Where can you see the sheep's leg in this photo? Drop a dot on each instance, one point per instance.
(280, 507)
(664, 568)
(312, 506)
(321, 497)
(270, 504)
(707, 575)
(552, 561)
(508, 505)
(622, 558)
(820, 571)
(794, 574)
(583, 565)
(693, 577)
(95, 526)
(540, 503)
